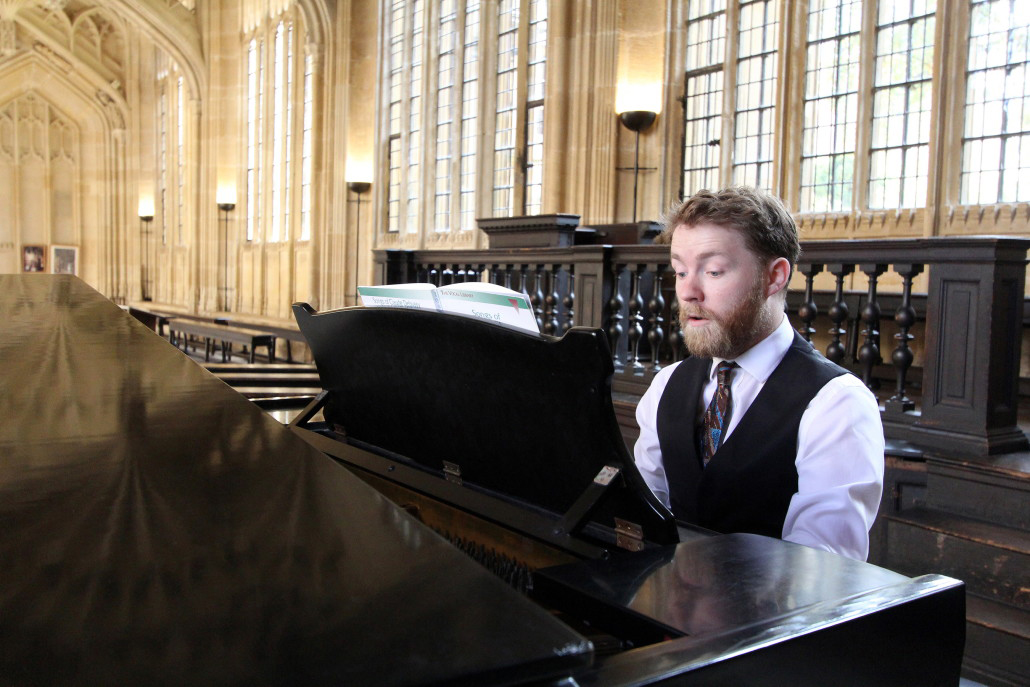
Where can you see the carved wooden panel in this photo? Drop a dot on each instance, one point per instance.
(956, 354)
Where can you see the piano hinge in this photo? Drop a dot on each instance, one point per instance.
(452, 472)
(606, 475)
(628, 535)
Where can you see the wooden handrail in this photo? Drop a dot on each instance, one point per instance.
(966, 328)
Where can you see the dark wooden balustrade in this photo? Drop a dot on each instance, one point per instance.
(955, 348)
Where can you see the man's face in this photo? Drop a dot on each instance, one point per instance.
(722, 291)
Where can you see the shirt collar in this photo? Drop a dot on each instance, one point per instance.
(760, 360)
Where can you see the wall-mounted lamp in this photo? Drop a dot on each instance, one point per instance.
(637, 121)
(224, 208)
(144, 252)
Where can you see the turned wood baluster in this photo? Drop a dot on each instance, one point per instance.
(838, 313)
(570, 301)
(902, 357)
(869, 353)
(551, 302)
(636, 318)
(675, 331)
(615, 329)
(537, 299)
(656, 306)
(808, 310)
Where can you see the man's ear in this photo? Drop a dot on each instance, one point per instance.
(777, 275)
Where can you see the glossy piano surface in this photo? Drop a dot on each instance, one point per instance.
(157, 528)
(730, 609)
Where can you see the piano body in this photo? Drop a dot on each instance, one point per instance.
(507, 444)
(156, 528)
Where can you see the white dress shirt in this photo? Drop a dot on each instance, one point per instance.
(839, 454)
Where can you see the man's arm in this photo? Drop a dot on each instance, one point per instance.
(647, 453)
(840, 470)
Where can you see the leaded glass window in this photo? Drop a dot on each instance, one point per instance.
(831, 105)
(996, 137)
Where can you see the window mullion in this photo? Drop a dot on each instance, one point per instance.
(457, 110)
(867, 50)
(267, 129)
(521, 111)
(729, 92)
(404, 126)
(790, 116)
(427, 120)
(949, 84)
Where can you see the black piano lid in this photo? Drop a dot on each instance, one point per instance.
(158, 528)
(528, 418)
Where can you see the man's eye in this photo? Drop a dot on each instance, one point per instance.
(715, 273)
(681, 275)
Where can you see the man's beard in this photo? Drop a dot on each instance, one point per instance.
(725, 338)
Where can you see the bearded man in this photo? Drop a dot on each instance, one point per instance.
(755, 431)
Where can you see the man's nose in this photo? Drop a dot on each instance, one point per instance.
(689, 289)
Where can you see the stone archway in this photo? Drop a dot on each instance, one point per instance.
(58, 157)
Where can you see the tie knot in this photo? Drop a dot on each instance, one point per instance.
(724, 370)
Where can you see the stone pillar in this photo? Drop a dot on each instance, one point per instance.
(579, 119)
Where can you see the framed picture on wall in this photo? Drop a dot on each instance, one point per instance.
(33, 258)
(64, 259)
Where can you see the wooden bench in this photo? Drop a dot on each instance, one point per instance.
(225, 334)
(158, 320)
(285, 333)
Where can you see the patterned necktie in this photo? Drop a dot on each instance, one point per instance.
(718, 414)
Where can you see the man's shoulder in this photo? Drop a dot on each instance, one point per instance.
(678, 368)
(805, 352)
(848, 387)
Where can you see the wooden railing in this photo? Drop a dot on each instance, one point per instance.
(951, 354)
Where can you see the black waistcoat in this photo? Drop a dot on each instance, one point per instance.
(750, 480)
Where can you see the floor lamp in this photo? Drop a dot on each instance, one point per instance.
(144, 256)
(358, 187)
(224, 210)
(637, 121)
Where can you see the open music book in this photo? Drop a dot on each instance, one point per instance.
(481, 300)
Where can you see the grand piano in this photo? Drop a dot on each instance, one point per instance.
(158, 528)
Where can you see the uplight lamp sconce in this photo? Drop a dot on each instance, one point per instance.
(146, 208)
(645, 97)
(359, 170)
(226, 197)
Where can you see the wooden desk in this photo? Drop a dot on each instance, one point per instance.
(226, 334)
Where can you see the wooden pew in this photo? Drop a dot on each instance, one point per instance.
(157, 320)
(285, 333)
(225, 334)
